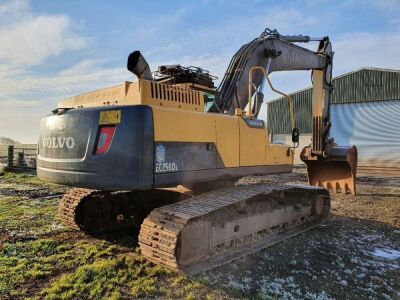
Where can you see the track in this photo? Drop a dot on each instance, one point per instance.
(214, 228)
(69, 203)
(98, 211)
(205, 231)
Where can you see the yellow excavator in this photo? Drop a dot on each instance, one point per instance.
(163, 153)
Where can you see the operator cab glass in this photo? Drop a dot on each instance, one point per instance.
(209, 100)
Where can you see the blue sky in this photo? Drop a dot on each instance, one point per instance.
(50, 49)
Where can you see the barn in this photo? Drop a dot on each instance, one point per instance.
(365, 112)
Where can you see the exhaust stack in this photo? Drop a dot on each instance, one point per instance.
(138, 65)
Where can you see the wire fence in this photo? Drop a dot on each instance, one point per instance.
(20, 159)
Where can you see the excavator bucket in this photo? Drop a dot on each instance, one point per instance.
(337, 172)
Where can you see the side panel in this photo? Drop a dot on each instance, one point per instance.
(192, 148)
(184, 156)
(184, 141)
(217, 138)
(227, 141)
(173, 125)
(277, 154)
(252, 144)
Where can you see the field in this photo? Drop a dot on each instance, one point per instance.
(354, 254)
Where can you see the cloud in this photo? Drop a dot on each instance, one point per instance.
(388, 5)
(366, 49)
(67, 82)
(22, 121)
(11, 9)
(19, 103)
(27, 98)
(222, 37)
(30, 39)
(85, 66)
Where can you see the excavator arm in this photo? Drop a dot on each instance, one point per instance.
(328, 164)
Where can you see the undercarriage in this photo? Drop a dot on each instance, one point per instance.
(194, 233)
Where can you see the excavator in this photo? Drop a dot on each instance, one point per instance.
(164, 153)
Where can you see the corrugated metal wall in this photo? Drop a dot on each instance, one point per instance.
(373, 127)
(367, 85)
(278, 119)
(364, 85)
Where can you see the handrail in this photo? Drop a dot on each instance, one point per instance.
(251, 85)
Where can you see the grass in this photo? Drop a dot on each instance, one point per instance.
(23, 215)
(27, 179)
(88, 269)
(41, 259)
(23, 262)
(28, 216)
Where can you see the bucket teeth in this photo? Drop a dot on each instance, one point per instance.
(337, 187)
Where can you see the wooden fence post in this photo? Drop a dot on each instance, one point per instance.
(10, 161)
(21, 159)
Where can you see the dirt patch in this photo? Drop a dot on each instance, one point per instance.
(375, 201)
(5, 237)
(353, 255)
(341, 259)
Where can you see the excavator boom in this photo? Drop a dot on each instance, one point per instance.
(328, 165)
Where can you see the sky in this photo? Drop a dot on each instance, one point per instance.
(50, 50)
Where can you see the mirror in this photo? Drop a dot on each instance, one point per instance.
(295, 135)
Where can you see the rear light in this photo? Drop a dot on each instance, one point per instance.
(104, 139)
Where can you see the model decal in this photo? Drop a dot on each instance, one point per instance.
(166, 167)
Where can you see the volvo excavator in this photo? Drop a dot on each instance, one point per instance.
(163, 153)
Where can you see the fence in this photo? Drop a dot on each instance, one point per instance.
(21, 159)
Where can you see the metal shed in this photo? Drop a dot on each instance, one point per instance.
(365, 111)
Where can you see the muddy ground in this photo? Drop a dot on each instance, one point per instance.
(355, 254)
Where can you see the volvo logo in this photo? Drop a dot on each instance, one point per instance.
(160, 153)
(59, 142)
(255, 123)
